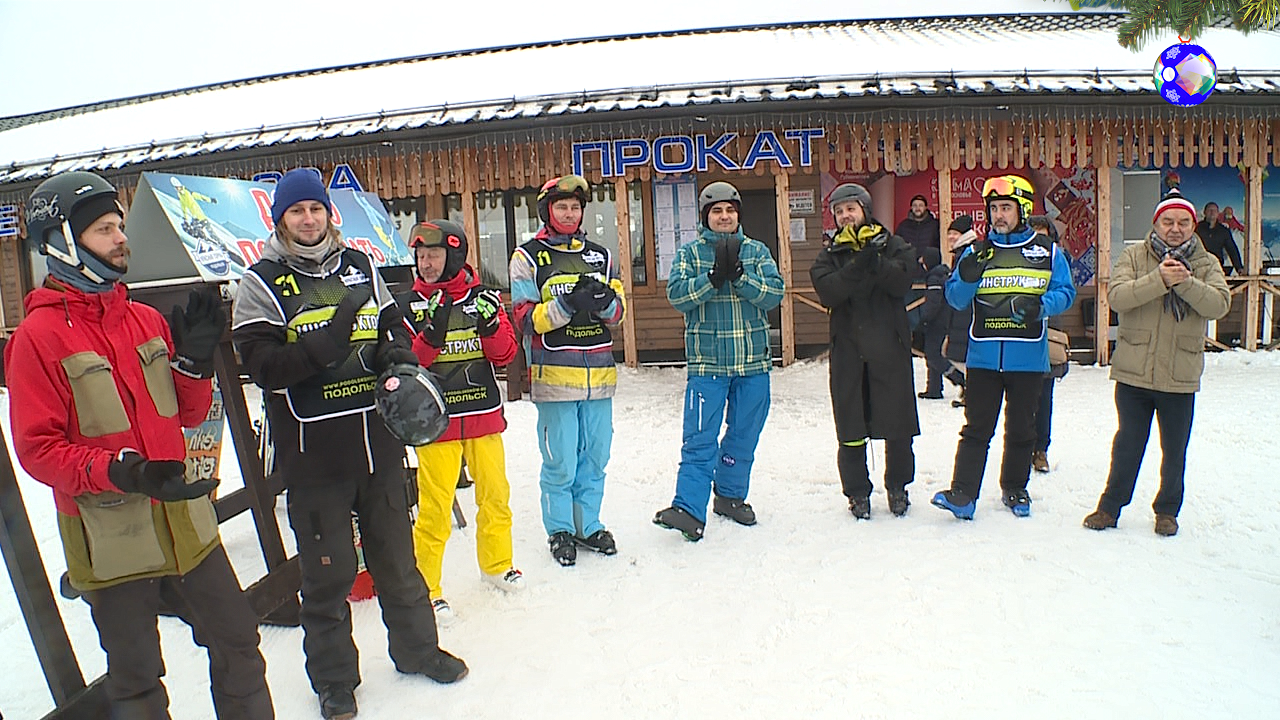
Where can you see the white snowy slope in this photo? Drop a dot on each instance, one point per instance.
(811, 614)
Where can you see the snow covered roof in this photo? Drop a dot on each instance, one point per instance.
(855, 59)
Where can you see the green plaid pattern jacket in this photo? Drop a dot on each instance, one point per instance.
(726, 331)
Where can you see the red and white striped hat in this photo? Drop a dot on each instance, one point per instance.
(1173, 199)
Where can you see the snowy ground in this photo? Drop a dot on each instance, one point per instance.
(811, 614)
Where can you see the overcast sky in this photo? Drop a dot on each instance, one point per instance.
(58, 53)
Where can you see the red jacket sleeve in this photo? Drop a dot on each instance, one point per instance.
(500, 347)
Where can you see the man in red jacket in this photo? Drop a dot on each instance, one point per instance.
(100, 389)
(460, 332)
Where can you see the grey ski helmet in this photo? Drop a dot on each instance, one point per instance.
(411, 404)
(60, 208)
(850, 191)
(717, 192)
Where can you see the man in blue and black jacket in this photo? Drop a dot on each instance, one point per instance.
(1014, 279)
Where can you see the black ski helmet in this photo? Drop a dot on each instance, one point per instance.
(717, 192)
(441, 233)
(60, 208)
(411, 404)
(559, 188)
(851, 191)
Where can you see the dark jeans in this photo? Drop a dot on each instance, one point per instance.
(984, 391)
(320, 515)
(1134, 408)
(934, 361)
(1044, 415)
(899, 467)
(209, 599)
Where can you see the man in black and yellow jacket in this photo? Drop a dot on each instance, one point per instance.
(315, 324)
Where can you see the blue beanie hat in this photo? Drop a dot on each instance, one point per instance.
(297, 185)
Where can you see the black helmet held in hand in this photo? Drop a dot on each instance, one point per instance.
(411, 404)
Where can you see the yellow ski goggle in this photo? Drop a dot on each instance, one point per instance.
(567, 185)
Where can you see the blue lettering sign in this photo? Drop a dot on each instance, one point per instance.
(582, 148)
(660, 156)
(622, 161)
(766, 147)
(712, 151)
(805, 136)
(344, 178)
(8, 221)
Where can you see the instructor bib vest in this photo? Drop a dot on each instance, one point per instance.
(466, 376)
(308, 303)
(1022, 269)
(557, 272)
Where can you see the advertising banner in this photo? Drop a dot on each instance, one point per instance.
(184, 227)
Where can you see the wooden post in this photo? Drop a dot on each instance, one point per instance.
(1252, 256)
(1102, 308)
(471, 226)
(622, 205)
(944, 210)
(782, 187)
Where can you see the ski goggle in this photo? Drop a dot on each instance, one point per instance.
(567, 185)
(428, 235)
(1008, 186)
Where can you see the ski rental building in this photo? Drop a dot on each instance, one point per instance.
(928, 106)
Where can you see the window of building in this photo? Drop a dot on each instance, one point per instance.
(601, 223)
(405, 213)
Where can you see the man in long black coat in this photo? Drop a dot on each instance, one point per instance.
(862, 278)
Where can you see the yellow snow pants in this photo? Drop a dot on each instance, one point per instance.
(438, 467)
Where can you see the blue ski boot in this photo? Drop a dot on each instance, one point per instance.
(1018, 502)
(959, 505)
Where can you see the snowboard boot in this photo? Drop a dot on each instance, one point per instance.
(674, 518)
(860, 507)
(898, 502)
(929, 395)
(1100, 520)
(1166, 525)
(1018, 502)
(736, 510)
(563, 548)
(1040, 461)
(956, 503)
(442, 667)
(337, 701)
(600, 541)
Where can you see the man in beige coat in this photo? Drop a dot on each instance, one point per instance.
(1164, 290)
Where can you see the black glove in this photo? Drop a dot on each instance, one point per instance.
(727, 267)
(331, 344)
(598, 296)
(389, 354)
(1025, 309)
(197, 332)
(582, 298)
(488, 312)
(164, 480)
(213, 200)
(436, 317)
(972, 265)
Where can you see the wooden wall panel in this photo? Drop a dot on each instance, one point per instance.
(872, 154)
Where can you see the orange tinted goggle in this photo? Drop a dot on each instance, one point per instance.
(431, 236)
(1003, 187)
(569, 184)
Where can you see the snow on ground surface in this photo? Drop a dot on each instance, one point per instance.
(810, 613)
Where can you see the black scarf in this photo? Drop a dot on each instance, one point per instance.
(1182, 253)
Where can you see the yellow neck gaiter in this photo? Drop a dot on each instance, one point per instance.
(857, 237)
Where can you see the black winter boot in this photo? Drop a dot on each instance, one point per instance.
(736, 510)
(337, 701)
(674, 518)
(860, 507)
(600, 541)
(563, 548)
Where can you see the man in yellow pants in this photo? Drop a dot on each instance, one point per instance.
(460, 332)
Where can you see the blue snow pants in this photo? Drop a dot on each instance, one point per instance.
(707, 460)
(574, 438)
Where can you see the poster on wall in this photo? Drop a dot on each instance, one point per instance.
(675, 217)
(185, 227)
(1066, 195)
(1225, 187)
